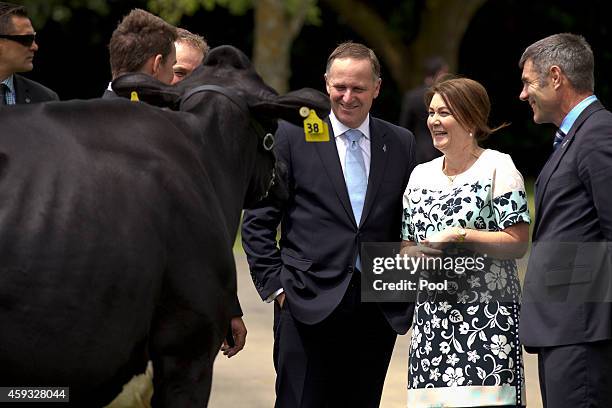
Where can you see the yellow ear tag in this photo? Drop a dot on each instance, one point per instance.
(134, 96)
(314, 128)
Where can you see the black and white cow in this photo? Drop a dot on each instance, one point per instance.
(116, 223)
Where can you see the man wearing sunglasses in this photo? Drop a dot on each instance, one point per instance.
(17, 48)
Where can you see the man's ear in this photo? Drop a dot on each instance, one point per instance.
(556, 76)
(156, 64)
(377, 86)
(326, 83)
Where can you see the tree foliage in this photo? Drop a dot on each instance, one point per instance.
(61, 11)
(403, 33)
(173, 10)
(277, 23)
(439, 29)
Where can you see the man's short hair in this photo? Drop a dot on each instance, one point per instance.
(138, 37)
(356, 51)
(195, 41)
(570, 52)
(7, 11)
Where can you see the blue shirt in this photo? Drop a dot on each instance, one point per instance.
(571, 117)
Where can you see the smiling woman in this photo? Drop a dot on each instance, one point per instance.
(473, 198)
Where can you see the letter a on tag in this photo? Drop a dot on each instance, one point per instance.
(315, 129)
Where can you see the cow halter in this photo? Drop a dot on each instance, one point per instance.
(266, 138)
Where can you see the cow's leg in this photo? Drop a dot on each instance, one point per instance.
(183, 350)
(193, 311)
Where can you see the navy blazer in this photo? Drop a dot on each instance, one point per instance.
(319, 235)
(28, 91)
(573, 205)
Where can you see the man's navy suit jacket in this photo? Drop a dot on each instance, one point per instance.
(573, 206)
(28, 91)
(320, 237)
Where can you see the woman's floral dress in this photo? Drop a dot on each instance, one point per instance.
(468, 343)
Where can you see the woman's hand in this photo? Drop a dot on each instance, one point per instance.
(441, 239)
(411, 249)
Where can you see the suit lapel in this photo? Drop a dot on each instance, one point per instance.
(328, 152)
(378, 164)
(22, 91)
(555, 159)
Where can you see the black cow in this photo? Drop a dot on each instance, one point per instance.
(230, 69)
(115, 231)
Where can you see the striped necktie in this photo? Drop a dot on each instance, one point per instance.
(559, 136)
(3, 89)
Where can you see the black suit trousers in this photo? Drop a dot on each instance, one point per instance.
(576, 376)
(339, 362)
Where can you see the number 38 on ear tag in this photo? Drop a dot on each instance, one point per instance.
(314, 128)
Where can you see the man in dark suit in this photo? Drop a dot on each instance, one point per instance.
(330, 349)
(17, 48)
(566, 314)
(152, 53)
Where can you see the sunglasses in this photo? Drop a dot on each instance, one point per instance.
(26, 39)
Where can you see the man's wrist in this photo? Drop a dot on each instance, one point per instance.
(274, 295)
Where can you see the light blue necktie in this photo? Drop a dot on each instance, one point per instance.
(355, 176)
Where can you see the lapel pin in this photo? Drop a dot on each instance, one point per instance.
(385, 148)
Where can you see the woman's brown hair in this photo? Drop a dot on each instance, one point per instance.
(468, 102)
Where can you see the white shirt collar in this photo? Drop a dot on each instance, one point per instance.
(339, 128)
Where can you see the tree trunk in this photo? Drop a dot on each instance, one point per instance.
(275, 30)
(442, 26)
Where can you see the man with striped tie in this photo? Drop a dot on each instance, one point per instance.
(566, 315)
(330, 349)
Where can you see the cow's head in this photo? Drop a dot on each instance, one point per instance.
(233, 102)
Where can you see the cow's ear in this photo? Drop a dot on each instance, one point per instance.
(148, 89)
(288, 106)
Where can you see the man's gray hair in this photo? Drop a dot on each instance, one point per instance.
(356, 51)
(570, 52)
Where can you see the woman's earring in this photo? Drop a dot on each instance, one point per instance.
(471, 135)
